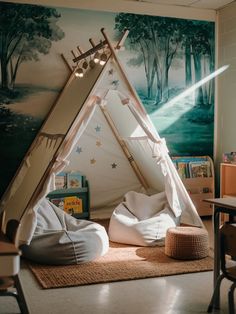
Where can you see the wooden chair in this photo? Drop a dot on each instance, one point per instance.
(228, 267)
(10, 266)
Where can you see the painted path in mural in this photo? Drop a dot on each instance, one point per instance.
(35, 105)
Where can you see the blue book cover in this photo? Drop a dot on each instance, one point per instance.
(189, 159)
(74, 180)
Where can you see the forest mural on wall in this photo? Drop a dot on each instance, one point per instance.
(174, 54)
(163, 57)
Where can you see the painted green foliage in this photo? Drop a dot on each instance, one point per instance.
(158, 40)
(25, 32)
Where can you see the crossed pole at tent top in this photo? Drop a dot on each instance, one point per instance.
(97, 54)
(104, 44)
(81, 64)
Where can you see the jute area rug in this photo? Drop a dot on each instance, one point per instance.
(122, 262)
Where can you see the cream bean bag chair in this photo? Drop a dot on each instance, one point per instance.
(60, 239)
(142, 220)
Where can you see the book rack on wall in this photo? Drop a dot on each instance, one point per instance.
(197, 175)
(72, 194)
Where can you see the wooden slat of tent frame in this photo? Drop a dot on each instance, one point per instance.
(125, 149)
(42, 159)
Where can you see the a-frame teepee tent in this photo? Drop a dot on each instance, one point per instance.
(135, 156)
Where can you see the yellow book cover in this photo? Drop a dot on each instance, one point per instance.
(73, 205)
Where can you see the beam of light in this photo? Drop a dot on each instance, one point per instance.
(173, 110)
(193, 88)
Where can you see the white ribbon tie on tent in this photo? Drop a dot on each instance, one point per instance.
(160, 152)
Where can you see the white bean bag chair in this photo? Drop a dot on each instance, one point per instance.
(142, 220)
(60, 239)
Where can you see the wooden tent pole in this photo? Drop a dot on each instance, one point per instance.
(66, 62)
(124, 148)
(130, 87)
(120, 44)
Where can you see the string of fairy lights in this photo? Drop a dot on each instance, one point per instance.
(98, 54)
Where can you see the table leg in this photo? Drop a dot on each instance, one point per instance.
(216, 224)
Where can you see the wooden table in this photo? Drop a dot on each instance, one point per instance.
(225, 205)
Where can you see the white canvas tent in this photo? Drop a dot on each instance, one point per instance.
(119, 148)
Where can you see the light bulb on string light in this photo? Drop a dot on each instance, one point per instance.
(79, 72)
(103, 59)
(85, 64)
(96, 57)
(91, 63)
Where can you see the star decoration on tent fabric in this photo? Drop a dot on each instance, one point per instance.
(110, 72)
(98, 143)
(98, 128)
(92, 161)
(79, 149)
(114, 165)
(115, 83)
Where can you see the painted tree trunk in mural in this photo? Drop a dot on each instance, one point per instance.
(211, 51)
(202, 46)
(149, 67)
(165, 44)
(188, 68)
(162, 43)
(4, 61)
(198, 74)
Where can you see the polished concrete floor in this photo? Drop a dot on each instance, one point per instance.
(181, 294)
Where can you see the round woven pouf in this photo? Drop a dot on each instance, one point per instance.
(186, 243)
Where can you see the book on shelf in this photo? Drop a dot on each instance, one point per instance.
(60, 181)
(200, 169)
(181, 168)
(59, 202)
(189, 159)
(70, 204)
(192, 167)
(73, 205)
(74, 180)
(66, 180)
